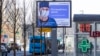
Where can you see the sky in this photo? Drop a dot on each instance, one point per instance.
(87, 6)
(28, 5)
(78, 7)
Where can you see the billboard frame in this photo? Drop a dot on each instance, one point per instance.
(53, 26)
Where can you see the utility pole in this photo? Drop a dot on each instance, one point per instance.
(24, 31)
(0, 23)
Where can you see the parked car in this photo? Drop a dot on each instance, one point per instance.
(61, 46)
(4, 50)
(6, 46)
(17, 47)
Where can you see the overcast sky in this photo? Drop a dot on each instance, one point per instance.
(87, 6)
(28, 5)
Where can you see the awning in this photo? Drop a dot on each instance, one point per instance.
(86, 17)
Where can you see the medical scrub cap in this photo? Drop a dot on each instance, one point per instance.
(44, 4)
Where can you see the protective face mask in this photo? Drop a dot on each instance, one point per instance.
(44, 13)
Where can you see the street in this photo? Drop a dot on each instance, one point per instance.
(18, 53)
(21, 53)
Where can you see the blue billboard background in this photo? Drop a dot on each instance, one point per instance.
(59, 11)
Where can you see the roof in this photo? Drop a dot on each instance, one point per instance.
(86, 17)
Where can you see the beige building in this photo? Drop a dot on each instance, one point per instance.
(8, 23)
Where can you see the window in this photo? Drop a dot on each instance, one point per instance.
(85, 27)
(35, 40)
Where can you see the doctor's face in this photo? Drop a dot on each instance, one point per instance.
(44, 13)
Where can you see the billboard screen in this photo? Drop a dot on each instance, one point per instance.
(53, 14)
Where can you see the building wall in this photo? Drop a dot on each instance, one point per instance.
(8, 21)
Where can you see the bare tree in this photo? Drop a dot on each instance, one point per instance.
(12, 18)
(0, 21)
(9, 15)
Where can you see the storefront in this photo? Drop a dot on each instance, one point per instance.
(87, 35)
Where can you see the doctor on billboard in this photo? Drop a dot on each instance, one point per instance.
(43, 16)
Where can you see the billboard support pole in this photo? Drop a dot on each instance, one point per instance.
(54, 42)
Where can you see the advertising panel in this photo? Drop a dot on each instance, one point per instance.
(53, 14)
